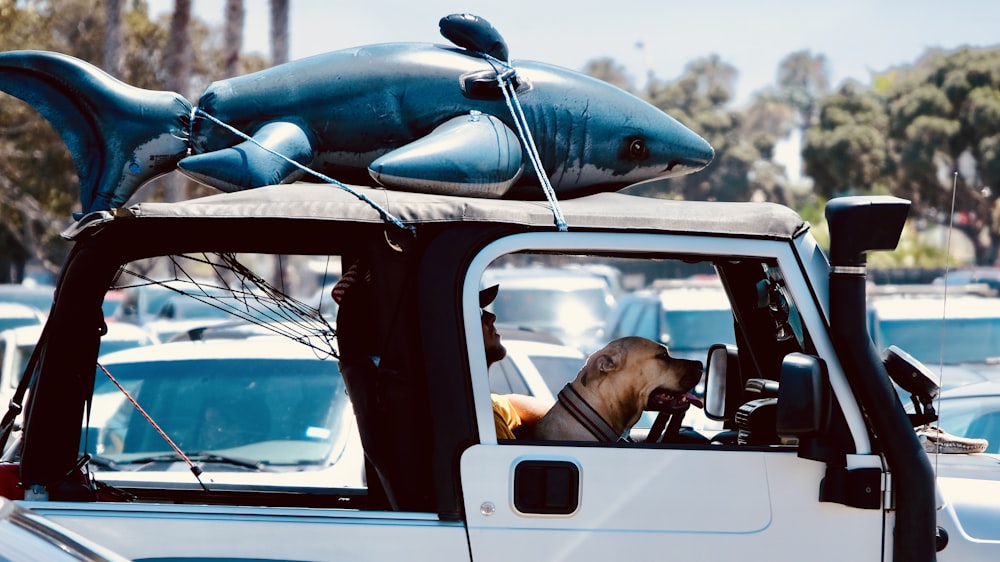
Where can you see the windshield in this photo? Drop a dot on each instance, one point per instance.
(275, 411)
(557, 371)
(698, 329)
(937, 340)
(548, 308)
(18, 321)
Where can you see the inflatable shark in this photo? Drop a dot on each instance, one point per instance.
(409, 116)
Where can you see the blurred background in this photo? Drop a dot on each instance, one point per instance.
(802, 102)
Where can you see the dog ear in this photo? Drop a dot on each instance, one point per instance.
(606, 360)
(606, 363)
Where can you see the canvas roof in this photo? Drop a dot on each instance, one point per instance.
(612, 211)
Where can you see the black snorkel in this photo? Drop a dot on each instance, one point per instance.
(858, 225)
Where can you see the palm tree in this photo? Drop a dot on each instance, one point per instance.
(114, 38)
(279, 31)
(803, 78)
(178, 75)
(234, 35)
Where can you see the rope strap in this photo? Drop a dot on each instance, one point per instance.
(386, 215)
(506, 81)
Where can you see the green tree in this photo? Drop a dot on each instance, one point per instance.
(803, 79)
(38, 182)
(35, 167)
(944, 118)
(741, 170)
(846, 149)
(608, 70)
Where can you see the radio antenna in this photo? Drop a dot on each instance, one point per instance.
(944, 305)
(947, 268)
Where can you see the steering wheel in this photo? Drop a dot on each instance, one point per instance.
(666, 428)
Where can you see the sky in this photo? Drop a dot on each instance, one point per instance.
(857, 37)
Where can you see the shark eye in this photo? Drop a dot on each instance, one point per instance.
(635, 150)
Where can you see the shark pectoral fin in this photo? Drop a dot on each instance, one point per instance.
(254, 164)
(119, 136)
(474, 155)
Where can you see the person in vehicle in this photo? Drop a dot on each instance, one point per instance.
(511, 412)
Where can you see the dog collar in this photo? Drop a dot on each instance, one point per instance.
(587, 416)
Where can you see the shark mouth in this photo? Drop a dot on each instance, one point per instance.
(663, 400)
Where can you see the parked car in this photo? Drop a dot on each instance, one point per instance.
(960, 329)
(571, 304)
(13, 315)
(687, 316)
(37, 296)
(17, 344)
(28, 537)
(142, 303)
(534, 367)
(971, 410)
(112, 300)
(263, 410)
(989, 276)
(961, 374)
(241, 329)
(180, 313)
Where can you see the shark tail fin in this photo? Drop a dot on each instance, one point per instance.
(119, 136)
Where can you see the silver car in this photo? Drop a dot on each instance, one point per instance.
(263, 411)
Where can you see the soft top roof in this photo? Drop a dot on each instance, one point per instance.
(615, 211)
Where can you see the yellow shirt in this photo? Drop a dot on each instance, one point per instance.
(505, 417)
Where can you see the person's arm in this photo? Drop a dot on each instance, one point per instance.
(516, 412)
(529, 408)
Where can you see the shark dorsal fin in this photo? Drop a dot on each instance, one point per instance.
(475, 34)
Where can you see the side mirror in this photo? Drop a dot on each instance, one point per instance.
(803, 397)
(722, 382)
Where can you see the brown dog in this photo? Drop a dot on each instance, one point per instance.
(616, 384)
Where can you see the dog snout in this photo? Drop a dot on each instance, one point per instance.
(692, 374)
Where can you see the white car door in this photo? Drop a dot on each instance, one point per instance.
(560, 502)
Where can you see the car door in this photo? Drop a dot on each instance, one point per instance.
(533, 500)
(565, 502)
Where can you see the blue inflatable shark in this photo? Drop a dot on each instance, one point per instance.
(407, 116)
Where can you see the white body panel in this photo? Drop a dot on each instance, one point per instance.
(233, 533)
(692, 504)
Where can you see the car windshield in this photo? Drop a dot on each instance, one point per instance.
(557, 371)
(38, 297)
(274, 411)
(949, 341)
(974, 417)
(10, 322)
(548, 308)
(698, 329)
(183, 307)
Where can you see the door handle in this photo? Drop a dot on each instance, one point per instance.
(546, 487)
